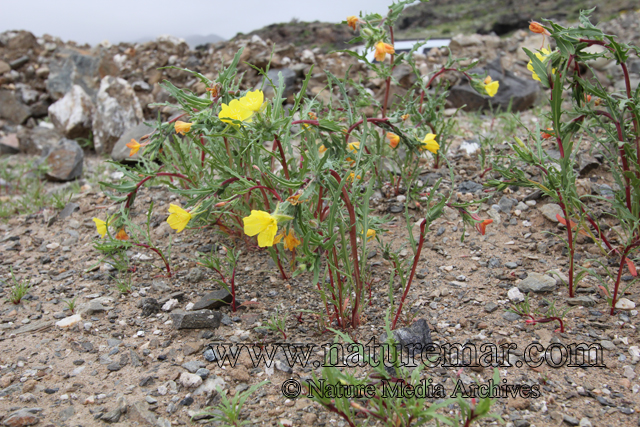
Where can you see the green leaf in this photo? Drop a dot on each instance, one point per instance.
(539, 67)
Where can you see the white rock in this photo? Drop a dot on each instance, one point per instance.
(190, 380)
(68, 322)
(72, 113)
(117, 109)
(629, 372)
(625, 304)
(634, 351)
(515, 295)
(209, 386)
(169, 305)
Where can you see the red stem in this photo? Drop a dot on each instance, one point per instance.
(355, 321)
(166, 263)
(617, 285)
(423, 230)
(570, 240)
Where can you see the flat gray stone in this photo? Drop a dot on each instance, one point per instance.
(584, 301)
(214, 300)
(536, 282)
(550, 210)
(200, 319)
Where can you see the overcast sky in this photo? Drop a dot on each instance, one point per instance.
(92, 21)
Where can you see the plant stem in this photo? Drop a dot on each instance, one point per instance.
(617, 285)
(570, 242)
(388, 82)
(355, 320)
(166, 263)
(423, 230)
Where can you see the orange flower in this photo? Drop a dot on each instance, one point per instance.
(481, 226)
(545, 135)
(537, 28)
(122, 235)
(291, 241)
(182, 127)
(134, 146)
(381, 51)
(405, 117)
(295, 199)
(352, 21)
(393, 139)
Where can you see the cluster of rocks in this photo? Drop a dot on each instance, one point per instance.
(52, 91)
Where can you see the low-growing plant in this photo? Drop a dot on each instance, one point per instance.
(226, 274)
(277, 324)
(370, 396)
(300, 178)
(19, 289)
(227, 412)
(552, 314)
(610, 119)
(71, 304)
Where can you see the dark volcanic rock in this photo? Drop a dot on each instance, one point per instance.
(520, 93)
(201, 319)
(214, 300)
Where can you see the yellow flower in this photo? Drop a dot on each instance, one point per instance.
(490, 86)
(352, 21)
(252, 101)
(393, 139)
(381, 51)
(352, 176)
(134, 146)
(405, 117)
(542, 57)
(264, 225)
(370, 234)
(101, 226)
(353, 147)
(234, 111)
(179, 218)
(290, 241)
(182, 127)
(322, 149)
(429, 143)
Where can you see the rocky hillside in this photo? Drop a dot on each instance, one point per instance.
(449, 17)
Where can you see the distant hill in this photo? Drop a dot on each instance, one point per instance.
(197, 40)
(446, 18)
(449, 17)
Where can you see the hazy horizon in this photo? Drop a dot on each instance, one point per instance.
(132, 20)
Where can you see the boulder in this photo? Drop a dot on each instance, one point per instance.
(288, 76)
(64, 161)
(12, 108)
(78, 68)
(18, 40)
(71, 114)
(9, 144)
(120, 152)
(536, 282)
(38, 140)
(117, 109)
(514, 91)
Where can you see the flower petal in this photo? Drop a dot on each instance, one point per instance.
(257, 222)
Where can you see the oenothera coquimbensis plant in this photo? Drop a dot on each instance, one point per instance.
(299, 179)
(583, 109)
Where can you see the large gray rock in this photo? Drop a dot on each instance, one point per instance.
(64, 161)
(9, 144)
(117, 109)
(520, 93)
(78, 68)
(37, 140)
(120, 152)
(551, 211)
(72, 113)
(536, 282)
(22, 417)
(288, 76)
(12, 108)
(414, 339)
(201, 319)
(213, 300)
